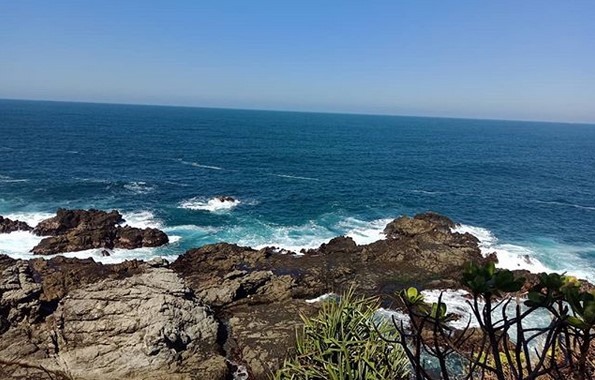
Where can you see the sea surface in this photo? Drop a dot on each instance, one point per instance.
(526, 189)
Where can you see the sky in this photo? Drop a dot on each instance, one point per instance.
(506, 59)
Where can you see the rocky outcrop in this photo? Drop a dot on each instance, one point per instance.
(77, 230)
(213, 306)
(142, 325)
(68, 220)
(259, 294)
(9, 225)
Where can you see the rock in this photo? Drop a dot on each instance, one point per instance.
(147, 325)
(340, 244)
(9, 225)
(19, 295)
(225, 198)
(77, 230)
(215, 303)
(420, 224)
(105, 253)
(130, 238)
(261, 339)
(67, 220)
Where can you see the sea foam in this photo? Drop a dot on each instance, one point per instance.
(215, 204)
(139, 187)
(531, 257)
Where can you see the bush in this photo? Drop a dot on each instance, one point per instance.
(505, 346)
(345, 341)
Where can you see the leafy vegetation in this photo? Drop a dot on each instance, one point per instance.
(505, 346)
(344, 342)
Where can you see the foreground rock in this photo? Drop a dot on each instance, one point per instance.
(145, 325)
(215, 305)
(9, 225)
(78, 230)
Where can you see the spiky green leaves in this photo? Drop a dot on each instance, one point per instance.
(342, 342)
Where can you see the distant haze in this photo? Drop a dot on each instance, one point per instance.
(529, 60)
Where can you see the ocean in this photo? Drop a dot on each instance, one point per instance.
(525, 189)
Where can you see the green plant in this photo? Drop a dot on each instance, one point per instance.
(345, 342)
(504, 346)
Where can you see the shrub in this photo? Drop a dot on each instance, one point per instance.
(504, 346)
(344, 342)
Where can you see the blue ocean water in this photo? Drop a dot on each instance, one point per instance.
(527, 189)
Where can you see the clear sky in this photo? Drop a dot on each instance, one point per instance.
(505, 59)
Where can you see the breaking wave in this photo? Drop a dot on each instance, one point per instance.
(535, 257)
(215, 204)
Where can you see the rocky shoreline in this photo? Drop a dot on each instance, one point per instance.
(200, 317)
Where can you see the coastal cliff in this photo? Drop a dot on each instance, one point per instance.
(215, 310)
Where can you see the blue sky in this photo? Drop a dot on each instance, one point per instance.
(500, 59)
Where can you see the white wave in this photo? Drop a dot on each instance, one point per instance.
(139, 187)
(309, 235)
(427, 192)
(7, 179)
(513, 257)
(324, 297)
(197, 165)
(363, 232)
(295, 177)
(116, 255)
(456, 301)
(17, 244)
(93, 180)
(564, 204)
(290, 238)
(393, 316)
(31, 218)
(142, 219)
(215, 204)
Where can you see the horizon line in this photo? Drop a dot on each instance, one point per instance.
(298, 111)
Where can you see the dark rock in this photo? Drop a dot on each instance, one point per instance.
(340, 244)
(67, 220)
(77, 230)
(130, 237)
(419, 224)
(105, 253)
(9, 225)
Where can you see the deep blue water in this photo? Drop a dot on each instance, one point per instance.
(302, 178)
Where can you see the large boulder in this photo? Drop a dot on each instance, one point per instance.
(68, 220)
(130, 237)
(9, 225)
(77, 230)
(141, 323)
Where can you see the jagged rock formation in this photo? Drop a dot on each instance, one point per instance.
(9, 225)
(215, 303)
(147, 325)
(77, 230)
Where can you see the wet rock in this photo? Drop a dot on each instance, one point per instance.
(9, 225)
(77, 230)
(68, 220)
(130, 237)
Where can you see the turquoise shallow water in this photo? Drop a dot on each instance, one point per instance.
(526, 189)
